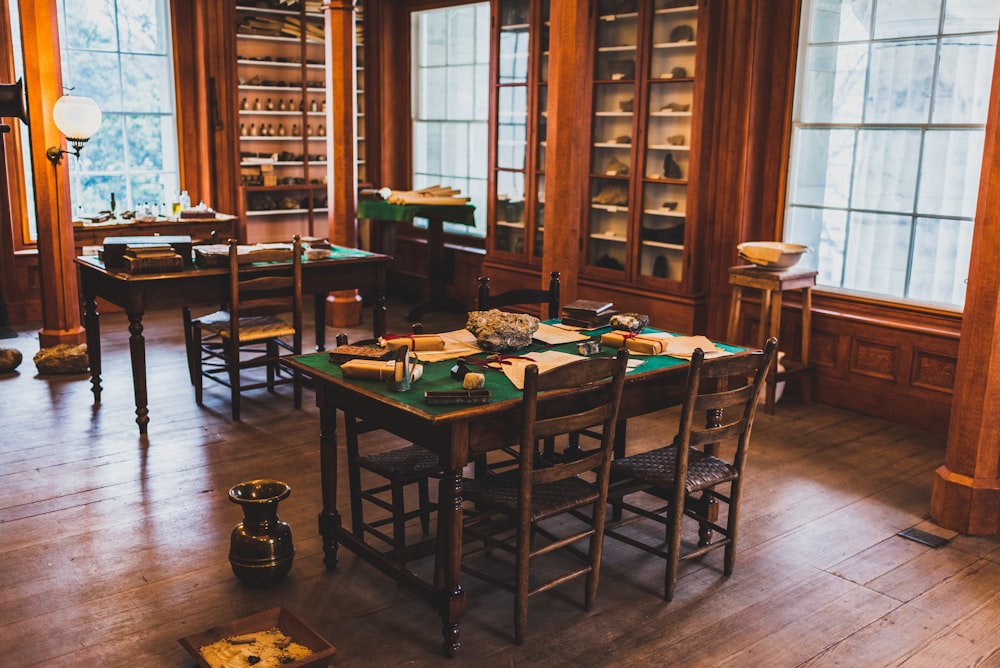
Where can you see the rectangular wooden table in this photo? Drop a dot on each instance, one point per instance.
(137, 293)
(457, 434)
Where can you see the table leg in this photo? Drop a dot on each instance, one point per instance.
(329, 518)
(137, 349)
(452, 604)
(92, 324)
(319, 313)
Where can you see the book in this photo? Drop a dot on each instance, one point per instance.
(585, 308)
(592, 322)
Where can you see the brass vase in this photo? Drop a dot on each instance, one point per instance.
(260, 547)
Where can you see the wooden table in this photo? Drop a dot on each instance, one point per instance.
(437, 216)
(457, 434)
(137, 293)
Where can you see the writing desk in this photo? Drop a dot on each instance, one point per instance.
(437, 215)
(137, 293)
(457, 434)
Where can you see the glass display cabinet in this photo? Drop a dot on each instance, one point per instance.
(641, 139)
(517, 180)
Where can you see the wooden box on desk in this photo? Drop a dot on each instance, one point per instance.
(114, 248)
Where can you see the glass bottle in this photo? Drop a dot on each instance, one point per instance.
(256, 103)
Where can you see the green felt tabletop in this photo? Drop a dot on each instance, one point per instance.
(437, 375)
(463, 214)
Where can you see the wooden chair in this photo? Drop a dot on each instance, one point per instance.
(251, 331)
(584, 394)
(726, 391)
(407, 465)
(521, 296)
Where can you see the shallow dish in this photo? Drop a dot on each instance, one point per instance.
(772, 254)
(291, 625)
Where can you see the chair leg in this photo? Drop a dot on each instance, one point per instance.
(732, 527)
(189, 346)
(233, 363)
(296, 389)
(398, 523)
(675, 516)
(272, 362)
(194, 360)
(524, 534)
(596, 548)
(425, 505)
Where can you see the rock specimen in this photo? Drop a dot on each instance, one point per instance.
(10, 359)
(498, 331)
(62, 358)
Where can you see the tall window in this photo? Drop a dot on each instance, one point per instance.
(451, 56)
(887, 142)
(119, 53)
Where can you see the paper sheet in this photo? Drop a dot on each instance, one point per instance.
(546, 360)
(553, 335)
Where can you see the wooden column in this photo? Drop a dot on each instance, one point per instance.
(43, 76)
(342, 190)
(566, 155)
(966, 493)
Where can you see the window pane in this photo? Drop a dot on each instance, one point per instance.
(962, 93)
(949, 180)
(878, 251)
(821, 167)
(141, 27)
(970, 16)
(900, 80)
(95, 75)
(835, 84)
(907, 18)
(835, 21)
(941, 253)
(885, 174)
(89, 24)
(149, 78)
(824, 231)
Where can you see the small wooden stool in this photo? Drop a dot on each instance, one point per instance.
(772, 284)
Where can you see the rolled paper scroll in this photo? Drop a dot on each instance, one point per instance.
(416, 342)
(634, 343)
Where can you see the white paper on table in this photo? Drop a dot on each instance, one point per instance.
(553, 335)
(460, 343)
(545, 360)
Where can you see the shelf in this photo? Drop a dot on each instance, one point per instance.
(613, 114)
(663, 244)
(504, 223)
(610, 208)
(675, 45)
(276, 212)
(669, 147)
(263, 112)
(616, 49)
(618, 17)
(665, 213)
(276, 12)
(274, 63)
(670, 114)
(603, 236)
(292, 89)
(611, 144)
(689, 9)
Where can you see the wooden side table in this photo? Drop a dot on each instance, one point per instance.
(772, 284)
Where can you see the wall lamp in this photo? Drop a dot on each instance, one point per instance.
(78, 118)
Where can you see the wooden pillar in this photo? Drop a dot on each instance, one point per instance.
(566, 156)
(342, 189)
(966, 493)
(43, 76)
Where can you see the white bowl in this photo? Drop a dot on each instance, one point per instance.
(772, 254)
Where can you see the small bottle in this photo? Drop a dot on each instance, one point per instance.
(243, 130)
(313, 106)
(114, 206)
(282, 106)
(295, 130)
(322, 105)
(244, 105)
(253, 130)
(302, 105)
(175, 207)
(185, 200)
(291, 105)
(321, 130)
(281, 130)
(269, 105)
(309, 130)
(270, 129)
(256, 103)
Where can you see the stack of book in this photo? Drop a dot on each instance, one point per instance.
(587, 313)
(152, 259)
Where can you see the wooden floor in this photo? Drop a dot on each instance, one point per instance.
(112, 547)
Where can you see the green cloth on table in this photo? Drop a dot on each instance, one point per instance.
(463, 214)
(437, 375)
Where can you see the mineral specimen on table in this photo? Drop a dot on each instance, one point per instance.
(10, 359)
(62, 358)
(499, 331)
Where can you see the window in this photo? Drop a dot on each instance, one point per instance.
(887, 142)
(451, 55)
(119, 53)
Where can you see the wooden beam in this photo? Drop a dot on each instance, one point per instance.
(966, 493)
(43, 74)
